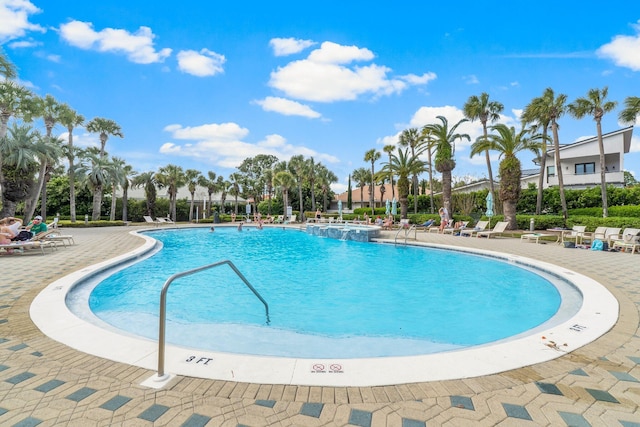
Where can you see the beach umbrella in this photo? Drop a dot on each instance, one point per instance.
(394, 207)
(340, 209)
(388, 207)
(489, 200)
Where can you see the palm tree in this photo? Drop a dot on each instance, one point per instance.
(480, 108)
(445, 140)
(372, 156)
(71, 119)
(536, 113)
(298, 169)
(404, 165)
(631, 110)
(209, 182)
(285, 180)
(15, 101)
(19, 149)
(429, 147)
(222, 185)
(97, 171)
(7, 69)
(412, 138)
(326, 178)
(390, 149)
(556, 110)
(148, 181)
(234, 188)
(49, 153)
(104, 127)
(117, 180)
(128, 174)
(171, 177)
(310, 167)
(596, 105)
(508, 143)
(361, 176)
(191, 177)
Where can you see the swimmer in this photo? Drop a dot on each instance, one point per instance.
(240, 226)
(212, 229)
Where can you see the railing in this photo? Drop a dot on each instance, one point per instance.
(407, 231)
(163, 306)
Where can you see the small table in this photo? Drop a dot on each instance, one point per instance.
(537, 236)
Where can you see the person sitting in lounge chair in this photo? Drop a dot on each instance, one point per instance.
(428, 223)
(37, 226)
(10, 226)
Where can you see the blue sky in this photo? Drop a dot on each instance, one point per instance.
(205, 84)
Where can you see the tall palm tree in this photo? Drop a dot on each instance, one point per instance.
(223, 187)
(297, 167)
(285, 180)
(70, 119)
(117, 180)
(128, 174)
(171, 177)
(49, 153)
(372, 156)
(234, 188)
(361, 176)
(311, 178)
(631, 110)
(403, 165)
(147, 180)
(445, 140)
(15, 101)
(105, 128)
(97, 171)
(480, 108)
(508, 143)
(191, 177)
(429, 147)
(390, 148)
(412, 138)
(536, 113)
(209, 182)
(595, 104)
(326, 178)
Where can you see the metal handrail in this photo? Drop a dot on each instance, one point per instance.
(406, 233)
(163, 306)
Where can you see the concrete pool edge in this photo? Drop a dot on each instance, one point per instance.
(50, 314)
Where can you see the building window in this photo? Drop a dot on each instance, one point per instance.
(551, 171)
(585, 168)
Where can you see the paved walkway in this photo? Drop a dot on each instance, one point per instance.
(46, 383)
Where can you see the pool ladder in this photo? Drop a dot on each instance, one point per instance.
(407, 231)
(163, 306)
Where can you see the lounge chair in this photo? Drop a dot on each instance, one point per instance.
(165, 220)
(54, 224)
(55, 236)
(454, 230)
(498, 229)
(151, 220)
(291, 220)
(574, 235)
(628, 240)
(480, 226)
(20, 246)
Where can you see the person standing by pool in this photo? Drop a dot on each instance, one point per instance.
(444, 218)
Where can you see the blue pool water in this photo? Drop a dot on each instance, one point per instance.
(327, 297)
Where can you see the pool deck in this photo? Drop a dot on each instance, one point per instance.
(43, 382)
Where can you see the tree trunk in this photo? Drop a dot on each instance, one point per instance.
(114, 199)
(603, 170)
(556, 145)
(543, 167)
(509, 211)
(72, 189)
(431, 182)
(446, 191)
(125, 201)
(32, 202)
(97, 203)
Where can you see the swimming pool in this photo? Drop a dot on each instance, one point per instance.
(597, 314)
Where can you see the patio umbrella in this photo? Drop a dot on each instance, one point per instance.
(489, 200)
(388, 206)
(340, 209)
(394, 207)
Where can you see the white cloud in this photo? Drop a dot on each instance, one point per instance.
(623, 50)
(289, 46)
(22, 44)
(138, 46)
(287, 107)
(201, 64)
(471, 79)
(223, 145)
(635, 145)
(14, 16)
(327, 76)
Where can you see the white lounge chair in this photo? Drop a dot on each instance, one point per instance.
(498, 229)
(151, 220)
(20, 246)
(480, 226)
(574, 235)
(628, 240)
(453, 230)
(165, 220)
